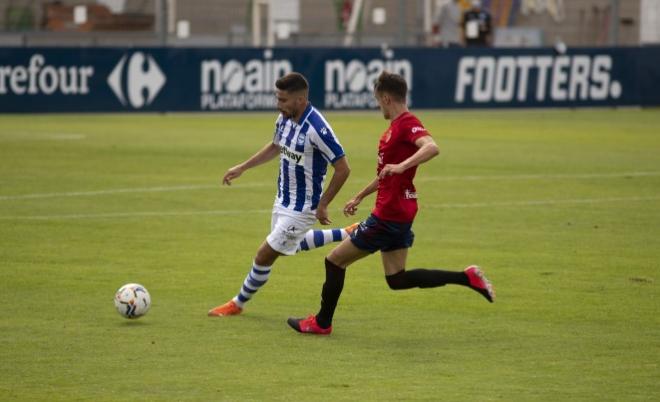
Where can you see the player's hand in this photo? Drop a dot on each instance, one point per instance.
(389, 170)
(351, 206)
(232, 174)
(322, 215)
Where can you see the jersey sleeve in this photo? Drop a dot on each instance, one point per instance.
(413, 130)
(278, 132)
(325, 140)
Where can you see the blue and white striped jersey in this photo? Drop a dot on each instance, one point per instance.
(306, 148)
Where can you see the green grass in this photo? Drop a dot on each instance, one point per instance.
(561, 208)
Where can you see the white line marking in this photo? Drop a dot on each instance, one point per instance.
(105, 192)
(533, 203)
(271, 184)
(42, 136)
(65, 137)
(530, 203)
(136, 214)
(541, 176)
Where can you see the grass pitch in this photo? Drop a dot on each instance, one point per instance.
(561, 209)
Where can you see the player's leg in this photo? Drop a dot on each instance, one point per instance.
(287, 230)
(258, 275)
(336, 263)
(367, 239)
(335, 271)
(315, 238)
(399, 278)
(255, 279)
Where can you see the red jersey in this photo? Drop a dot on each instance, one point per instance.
(397, 198)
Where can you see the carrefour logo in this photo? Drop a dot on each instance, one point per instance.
(39, 77)
(233, 84)
(536, 79)
(136, 81)
(350, 84)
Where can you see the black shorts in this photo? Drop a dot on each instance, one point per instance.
(375, 234)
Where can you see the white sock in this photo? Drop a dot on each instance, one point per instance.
(256, 278)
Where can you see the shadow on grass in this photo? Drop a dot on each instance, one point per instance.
(133, 323)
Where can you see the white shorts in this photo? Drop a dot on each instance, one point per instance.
(287, 229)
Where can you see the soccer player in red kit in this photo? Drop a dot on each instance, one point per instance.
(388, 229)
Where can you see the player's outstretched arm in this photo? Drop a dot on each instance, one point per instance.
(341, 172)
(427, 149)
(268, 152)
(351, 206)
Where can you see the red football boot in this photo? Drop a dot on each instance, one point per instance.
(308, 326)
(479, 282)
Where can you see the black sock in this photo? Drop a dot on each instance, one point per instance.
(426, 278)
(334, 283)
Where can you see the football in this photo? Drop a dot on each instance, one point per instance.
(132, 300)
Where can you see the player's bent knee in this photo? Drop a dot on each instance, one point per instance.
(266, 255)
(337, 258)
(397, 281)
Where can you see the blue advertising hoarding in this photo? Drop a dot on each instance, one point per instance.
(229, 79)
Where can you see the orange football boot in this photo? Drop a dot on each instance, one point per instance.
(351, 228)
(229, 308)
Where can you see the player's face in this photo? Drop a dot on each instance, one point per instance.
(290, 104)
(383, 102)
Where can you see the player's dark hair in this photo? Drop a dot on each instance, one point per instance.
(392, 84)
(292, 82)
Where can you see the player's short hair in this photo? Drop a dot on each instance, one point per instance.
(292, 82)
(392, 84)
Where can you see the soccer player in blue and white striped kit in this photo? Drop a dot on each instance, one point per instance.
(306, 145)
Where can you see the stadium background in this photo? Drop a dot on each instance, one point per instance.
(226, 55)
(313, 22)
